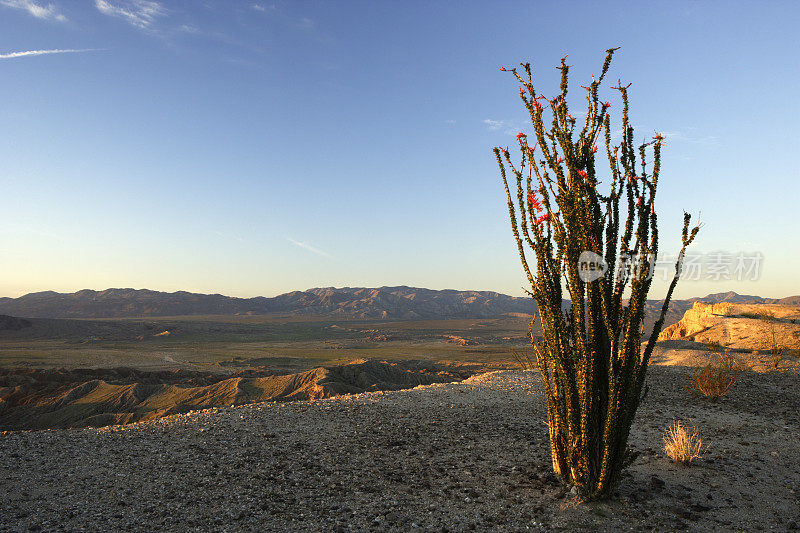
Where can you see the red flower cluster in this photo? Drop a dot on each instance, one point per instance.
(606, 105)
(535, 203)
(594, 149)
(559, 160)
(583, 174)
(502, 69)
(542, 218)
(521, 138)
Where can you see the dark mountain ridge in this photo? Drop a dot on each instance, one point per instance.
(400, 302)
(356, 302)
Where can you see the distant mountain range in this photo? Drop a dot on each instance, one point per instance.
(382, 302)
(736, 298)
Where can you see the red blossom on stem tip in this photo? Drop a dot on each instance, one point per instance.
(619, 86)
(594, 149)
(521, 137)
(535, 203)
(542, 218)
(502, 69)
(559, 160)
(582, 173)
(606, 105)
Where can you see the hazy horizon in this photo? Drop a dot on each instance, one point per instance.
(255, 148)
(652, 296)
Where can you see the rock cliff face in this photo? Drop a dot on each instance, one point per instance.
(749, 327)
(699, 318)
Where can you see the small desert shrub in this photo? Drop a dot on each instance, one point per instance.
(761, 315)
(775, 358)
(714, 346)
(775, 352)
(716, 378)
(525, 359)
(682, 444)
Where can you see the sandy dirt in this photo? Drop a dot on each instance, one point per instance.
(461, 456)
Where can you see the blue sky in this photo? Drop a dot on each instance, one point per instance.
(252, 148)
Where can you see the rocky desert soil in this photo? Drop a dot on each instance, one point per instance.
(460, 456)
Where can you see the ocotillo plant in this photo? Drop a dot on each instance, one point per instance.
(590, 358)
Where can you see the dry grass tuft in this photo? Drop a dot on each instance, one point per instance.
(760, 315)
(525, 359)
(682, 444)
(716, 379)
(776, 355)
(776, 358)
(714, 346)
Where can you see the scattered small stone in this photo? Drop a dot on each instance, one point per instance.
(656, 484)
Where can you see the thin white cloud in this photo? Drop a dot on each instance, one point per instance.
(669, 136)
(188, 28)
(308, 247)
(40, 11)
(138, 13)
(506, 126)
(494, 125)
(263, 8)
(26, 53)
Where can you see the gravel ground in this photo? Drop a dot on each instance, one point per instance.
(461, 456)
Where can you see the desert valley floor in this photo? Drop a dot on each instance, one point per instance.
(460, 456)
